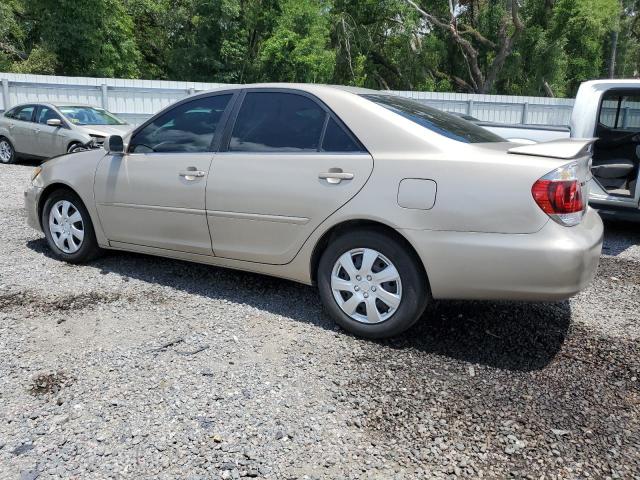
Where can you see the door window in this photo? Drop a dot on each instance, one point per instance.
(46, 113)
(188, 127)
(336, 139)
(277, 122)
(620, 111)
(25, 113)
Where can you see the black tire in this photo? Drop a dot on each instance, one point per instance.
(415, 289)
(89, 248)
(76, 147)
(12, 157)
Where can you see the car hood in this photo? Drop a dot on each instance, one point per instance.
(106, 130)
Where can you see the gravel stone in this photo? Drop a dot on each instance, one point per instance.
(141, 367)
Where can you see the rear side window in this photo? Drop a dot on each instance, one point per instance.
(25, 113)
(620, 110)
(435, 120)
(277, 122)
(188, 127)
(336, 139)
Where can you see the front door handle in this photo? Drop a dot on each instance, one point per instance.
(335, 175)
(191, 173)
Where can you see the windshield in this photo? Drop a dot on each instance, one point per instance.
(90, 116)
(435, 120)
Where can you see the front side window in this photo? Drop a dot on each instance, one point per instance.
(24, 114)
(90, 116)
(46, 113)
(277, 122)
(620, 111)
(188, 127)
(435, 120)
(11, 113)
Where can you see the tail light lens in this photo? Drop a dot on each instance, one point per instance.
(559, 194)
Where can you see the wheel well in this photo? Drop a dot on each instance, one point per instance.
(48, 191)
(350, 226)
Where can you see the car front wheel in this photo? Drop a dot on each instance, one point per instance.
(68, 228)
(372, 284)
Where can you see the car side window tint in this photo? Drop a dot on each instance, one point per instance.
(11, 113)
(277, 122)
(24, 114)
(336, 139)
(188, 127)
(46, 113)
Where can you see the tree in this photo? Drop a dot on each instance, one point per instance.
(471, 42)
(92, 37)
(299, 48)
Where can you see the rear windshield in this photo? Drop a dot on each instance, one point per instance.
(435, 120)
(90, 116)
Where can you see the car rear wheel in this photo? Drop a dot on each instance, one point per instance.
(371, 284)
(68, 228)
(7, 153)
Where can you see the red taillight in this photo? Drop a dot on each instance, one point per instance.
(559, 195)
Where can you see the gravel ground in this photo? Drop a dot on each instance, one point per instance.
(141, 367)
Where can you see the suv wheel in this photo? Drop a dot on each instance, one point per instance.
(371, 284)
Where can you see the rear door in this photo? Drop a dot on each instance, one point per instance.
(22, 130)
(154, 195)
(286, 165)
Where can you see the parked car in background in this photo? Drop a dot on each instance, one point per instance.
(610, 111)
(44, 130)
(381, 201)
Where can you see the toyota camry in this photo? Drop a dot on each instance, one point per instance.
(382, 202)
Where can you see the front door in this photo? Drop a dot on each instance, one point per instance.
(49, 140)
(154, 195)
(288, 166)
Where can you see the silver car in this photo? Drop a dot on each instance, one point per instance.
(44, 130)
(383, 203)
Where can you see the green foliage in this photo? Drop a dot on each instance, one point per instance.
(367, 43)
(298, 49)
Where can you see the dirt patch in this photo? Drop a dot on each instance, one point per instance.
(49, 383)
(51, 304)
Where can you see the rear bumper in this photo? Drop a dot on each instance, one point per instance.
(31, 200)
(551, 264)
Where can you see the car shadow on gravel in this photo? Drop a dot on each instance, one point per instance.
(620, 236)
(511, 336)
(514, 336)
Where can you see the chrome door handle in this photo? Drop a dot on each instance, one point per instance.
(192, 174)
(36, 131)
(336, 176)
(11, 125)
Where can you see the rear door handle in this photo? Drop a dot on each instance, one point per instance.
(191, 173)
(335, 176)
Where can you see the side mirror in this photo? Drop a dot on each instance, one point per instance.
(114, 144)
(54, 122)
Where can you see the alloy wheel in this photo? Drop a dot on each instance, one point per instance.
(6, 152)
(366, 285)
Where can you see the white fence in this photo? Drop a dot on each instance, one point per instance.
(137, 100)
